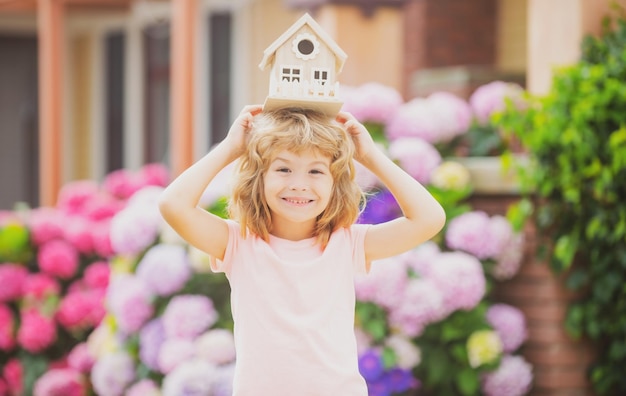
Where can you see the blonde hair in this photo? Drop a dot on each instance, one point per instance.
(295, 130)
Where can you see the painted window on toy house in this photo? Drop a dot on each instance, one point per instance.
(320, 76)
(291, 74)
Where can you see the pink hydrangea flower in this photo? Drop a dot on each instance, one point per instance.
(121, 183)
(112, 374)
(216, 346)
(460, 277)
(130, 300)
(45, 224)
(12, 279)
(187, 316)
(509, 261)
(414, 119)
(39, 286)
(7, 328)
(501, 232)
(80, 358)
(384, 284)
(145, 387)
(470, 232)
(97, 275)
(77, 231)
(420, 258)
(452, 113)
(164, 268)
(155, 174)
(422, 304)
(101, 238)
(13, 373)
(173, 352)
(408, 355)
(36, 332)
(491, 98)
(512, 378)
(74, 196)
(58, 258)
(372, 102)
(81, 309)
(219, 187)
(510, 324)
(102, 207)
(416, 156)
(60, 382)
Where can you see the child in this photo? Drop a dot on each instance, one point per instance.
(292, 248)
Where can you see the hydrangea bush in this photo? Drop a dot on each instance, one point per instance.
(54, 272)
(112, 302)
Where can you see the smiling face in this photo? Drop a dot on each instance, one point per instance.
(297, 188)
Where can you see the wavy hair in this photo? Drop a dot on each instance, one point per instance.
(296, 130)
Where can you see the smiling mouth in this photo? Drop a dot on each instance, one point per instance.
(300, 201)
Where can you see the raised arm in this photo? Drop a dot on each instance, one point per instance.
(423, 215)
(179, 202)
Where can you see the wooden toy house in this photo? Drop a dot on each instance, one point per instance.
(304, 65)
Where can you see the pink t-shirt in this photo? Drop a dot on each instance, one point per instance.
(293, 307)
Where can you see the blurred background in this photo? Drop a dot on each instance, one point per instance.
(90, 86)
(102, 102)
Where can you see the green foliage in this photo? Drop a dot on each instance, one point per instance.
(575, 191)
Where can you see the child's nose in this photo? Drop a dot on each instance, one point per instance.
(298, 184)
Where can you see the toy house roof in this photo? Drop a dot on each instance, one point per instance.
(306, 19)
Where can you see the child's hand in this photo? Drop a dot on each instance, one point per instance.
(238, 133)
(363, 141)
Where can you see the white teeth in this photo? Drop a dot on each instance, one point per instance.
(297, 201)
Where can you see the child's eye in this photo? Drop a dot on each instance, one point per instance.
(317, 172)
(283, 170)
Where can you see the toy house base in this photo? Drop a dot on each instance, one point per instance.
(329, 107)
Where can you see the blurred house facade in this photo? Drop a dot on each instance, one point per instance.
(91, 86)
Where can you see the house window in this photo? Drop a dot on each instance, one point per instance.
(320, 76)
(115, 43)
(305, 46)
(220, 48)
(290, 74)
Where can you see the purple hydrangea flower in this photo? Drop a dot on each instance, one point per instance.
(510, 324)
(416, 156)
(400, 380)
(129, 299)
(164, 268)
(371, 365)
(187, 316)
(470, 232)
(134, 228)
(422, 304)
(461, 279)
(491, 98)
(194, 377)
(112, 373)
(512, 378)
(381, 207)
(145, 387)
(173, 352)
(384, 284)
(151, 337)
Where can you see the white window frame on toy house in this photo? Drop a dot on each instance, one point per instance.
(321, 72)
(290, 75)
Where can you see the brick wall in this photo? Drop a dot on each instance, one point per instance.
(559, 363)
(443, 33)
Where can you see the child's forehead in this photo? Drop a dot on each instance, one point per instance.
(300, 155)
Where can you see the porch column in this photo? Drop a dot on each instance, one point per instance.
(555, 31)
(184, 17)
(51, 15)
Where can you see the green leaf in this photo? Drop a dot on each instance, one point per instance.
(467, 381)
(565, 249)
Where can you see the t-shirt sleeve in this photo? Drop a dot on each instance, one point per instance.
(357, 235)
(233, 239)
